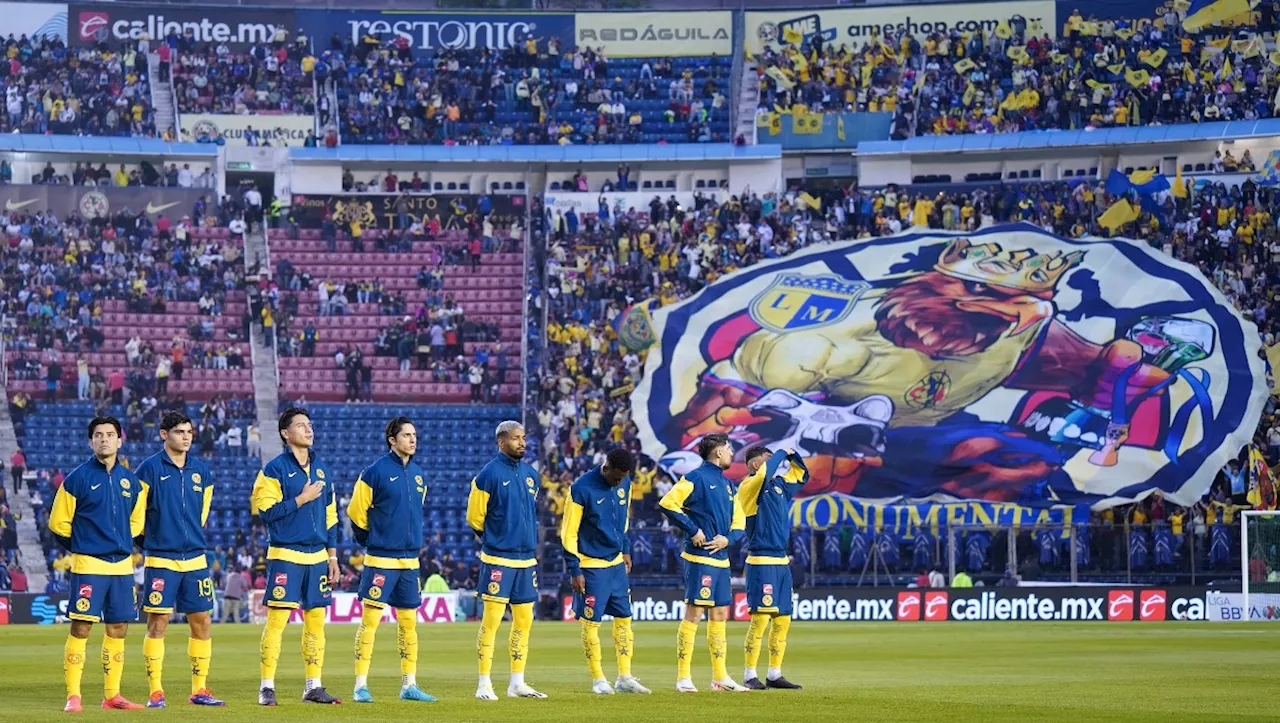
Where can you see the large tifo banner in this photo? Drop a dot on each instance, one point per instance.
(1007, 365)
(854, 27)
(438, 30)
(378, 210)
(98, 201)
(34, 20)
(667, 34)
(278, 129)
(240, 29)
(1033, 604)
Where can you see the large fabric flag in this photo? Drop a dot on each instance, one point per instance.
(1204, 13)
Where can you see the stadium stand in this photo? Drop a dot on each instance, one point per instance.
(270, 79)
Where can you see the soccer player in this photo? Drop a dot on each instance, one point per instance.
(294, 496)
(765, 498)
(386, 517)
(502, 509)
(179, 491)
(702, 505)
(597, 554)
(97, 512)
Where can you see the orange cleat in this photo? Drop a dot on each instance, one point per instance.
(119, 703)
(73, 705)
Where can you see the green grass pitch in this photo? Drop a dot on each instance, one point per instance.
(866, 672)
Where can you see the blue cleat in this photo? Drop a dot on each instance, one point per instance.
(156, 700)
(413, 692)
(362, 695)
(204, 697)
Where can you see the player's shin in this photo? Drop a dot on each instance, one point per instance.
(719, 649)
(521, 628)
(685, 638)
(623, 643)
(313, 646)
(365, 633)
(407, 643)
(272, 639)
(112, 666)
(778, 645)
(153, 662)
(751, 647)
(201, 653)
(591, 647)
(73, 663)
(489, 623)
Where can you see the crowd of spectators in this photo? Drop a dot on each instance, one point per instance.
(145, 174)
(1015, 76)
(537, 93)
(270, 78)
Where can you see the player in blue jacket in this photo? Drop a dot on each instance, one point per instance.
(97, 512)
(702, 504)
(503, 511)
(765, 498)
(386, 517)
(597, 555)
(294, 496)
(179, 493)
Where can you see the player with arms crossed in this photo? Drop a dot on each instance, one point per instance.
(503, 511)
(765, 498)
(386, 517)
(294, 496)
(179, 492)
(97, 512)
(702, 505)
(597, 555)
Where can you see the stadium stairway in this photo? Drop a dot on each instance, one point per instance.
(32, 558)
(748, 101)
(162, 104)
(266, 372)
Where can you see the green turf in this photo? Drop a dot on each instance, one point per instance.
(867, 672)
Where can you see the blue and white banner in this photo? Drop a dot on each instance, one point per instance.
(35, 20)
(437, 30)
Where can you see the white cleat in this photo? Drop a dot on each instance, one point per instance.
(485, 692)
(630, 685)
(729, 685)
(524, 691)
(684, 685)
(601, 687)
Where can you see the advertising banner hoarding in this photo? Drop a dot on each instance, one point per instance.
(278, 129)
(240, 29)
(437, 31)
(98, 201)
(378, 210)
(647, 35)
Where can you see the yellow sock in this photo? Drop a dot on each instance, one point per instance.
(272, 638)
(684, 649)
(407, 640)
(73, 664)
(719, 648)
(313, 642)
(623, 642)
(112, 666)
(778, 640)
(364, 638)
(200, 652)
(521, 629)
(591, 647)
(489, 623)
(153, 662)
(755, 635)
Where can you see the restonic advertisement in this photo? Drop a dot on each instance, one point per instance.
(437, 31)
(239, 29)
(856, 27)
(646, 35)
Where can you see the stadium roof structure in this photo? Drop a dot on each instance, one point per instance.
(37, 143)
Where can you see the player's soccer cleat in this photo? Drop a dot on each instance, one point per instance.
(601, 687)
(753, 684)
(156, 700)
(267, 696)
(524, 691)
(781, 683)
(727, 685)
(73, 705)
(629, 684)
(119, 703)
(485, 692)
(413, 692)
(362, 695)
(684, 685)
(320, 695)
(204, 697)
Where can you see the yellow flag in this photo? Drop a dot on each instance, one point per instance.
(1117, 69)
(1018, 53)
(1227, 70)
(1179, 189)
(1188, 74)
(1035, 29)
(1219, 43)
(840, 127)
(780, 77)
(1120, 213)
(1003, 31)
(1142, 176)
(1106, 88)
(772, 121)
(1156, 59)
(1124, 33)
(810, 201)
(1137, 78)
(969, 93)
(791, 36)
(1057, 57)
(803, 124)
(1273, 356)
(965, 66)
(1274, 57)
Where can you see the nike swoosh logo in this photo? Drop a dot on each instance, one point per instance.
(393, 479)
(165, 476)
(96, 486)
(504, 484)
(152, 208)
(713, 486)
(12, 205)
(600, 501)
(293, 474)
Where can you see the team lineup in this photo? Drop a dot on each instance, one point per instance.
(103, 510)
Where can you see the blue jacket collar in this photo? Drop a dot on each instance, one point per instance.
(506, 460)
